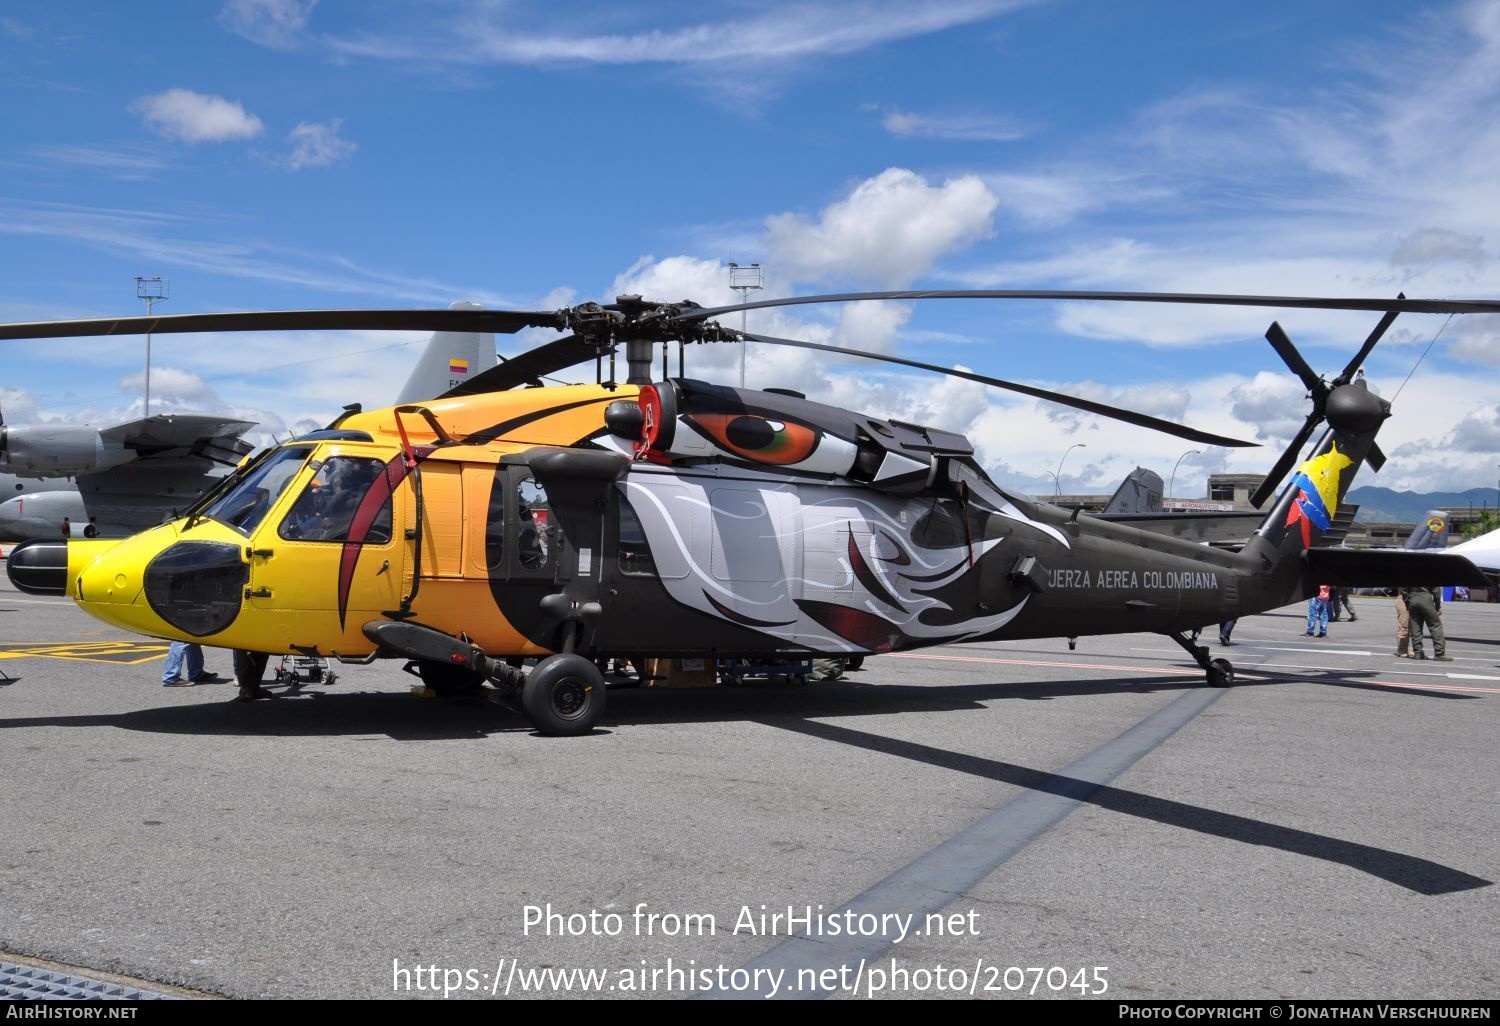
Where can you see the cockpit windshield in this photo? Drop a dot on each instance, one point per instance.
(245, 504)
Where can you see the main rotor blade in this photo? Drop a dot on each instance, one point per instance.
(504, 322)
(528, 368)
(1282, 343)
(1364, 350)
(1113, 412)
(1195, 298)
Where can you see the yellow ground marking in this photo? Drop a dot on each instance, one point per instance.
(128, 653)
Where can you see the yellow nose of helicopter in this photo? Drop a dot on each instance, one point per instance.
(152, 583)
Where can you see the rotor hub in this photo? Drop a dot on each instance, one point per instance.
(1354, 408)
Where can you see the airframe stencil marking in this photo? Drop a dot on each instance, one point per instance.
(936, 879)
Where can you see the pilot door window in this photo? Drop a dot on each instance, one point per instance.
(334, 506)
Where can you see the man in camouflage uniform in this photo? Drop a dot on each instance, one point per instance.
(1424, 608)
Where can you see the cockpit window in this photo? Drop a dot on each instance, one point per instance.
(325, 509)
(245, 504)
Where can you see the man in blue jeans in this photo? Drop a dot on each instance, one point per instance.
(1317, 612)
(196, 674)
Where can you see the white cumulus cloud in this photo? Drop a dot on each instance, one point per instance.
(194, 117)
(889, 230)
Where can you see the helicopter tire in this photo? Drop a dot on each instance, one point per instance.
(564, 695)
(1220, 673)
(447, 679)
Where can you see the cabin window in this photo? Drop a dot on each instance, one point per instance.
(535, 532)
(494, 528)
(635, 554)
(329, 507)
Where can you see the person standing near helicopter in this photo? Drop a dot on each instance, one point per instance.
(1424, 606)
(1317, 613)
(1340, 597)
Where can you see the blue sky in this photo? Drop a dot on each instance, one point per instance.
(280, 154)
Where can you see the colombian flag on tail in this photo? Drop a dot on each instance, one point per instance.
(1317, 500)
(458, 366)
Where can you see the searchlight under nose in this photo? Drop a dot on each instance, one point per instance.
(39, 567)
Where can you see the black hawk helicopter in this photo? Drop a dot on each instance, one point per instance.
(679, 518)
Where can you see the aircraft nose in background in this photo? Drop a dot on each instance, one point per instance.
(39, 567)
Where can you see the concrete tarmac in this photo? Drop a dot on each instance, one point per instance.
(999, 820)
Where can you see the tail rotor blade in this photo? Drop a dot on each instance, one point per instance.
(1364, 350)
(1288, 458)
(1282, 343)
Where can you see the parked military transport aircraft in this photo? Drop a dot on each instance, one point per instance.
(127, 476)
(123, 479)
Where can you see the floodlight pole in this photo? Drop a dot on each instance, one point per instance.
(152, 290)
(1173, 480)
(1057, 478)
(746, 281)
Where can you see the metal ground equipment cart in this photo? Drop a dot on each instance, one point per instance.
(297, 671)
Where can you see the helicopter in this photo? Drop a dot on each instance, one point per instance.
(666, 517)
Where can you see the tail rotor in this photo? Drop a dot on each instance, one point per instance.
(1318, 390)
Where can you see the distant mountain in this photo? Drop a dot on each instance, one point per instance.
(1384, 506)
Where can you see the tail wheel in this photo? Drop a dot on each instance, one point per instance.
(564, 695)
(1220, 673)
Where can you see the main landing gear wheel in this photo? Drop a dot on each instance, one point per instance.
(1220, 674)
(564, 695)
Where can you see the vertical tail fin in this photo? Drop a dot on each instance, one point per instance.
(1431, 533)
(450, 359)
(1140, 492)
(1305, 508)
